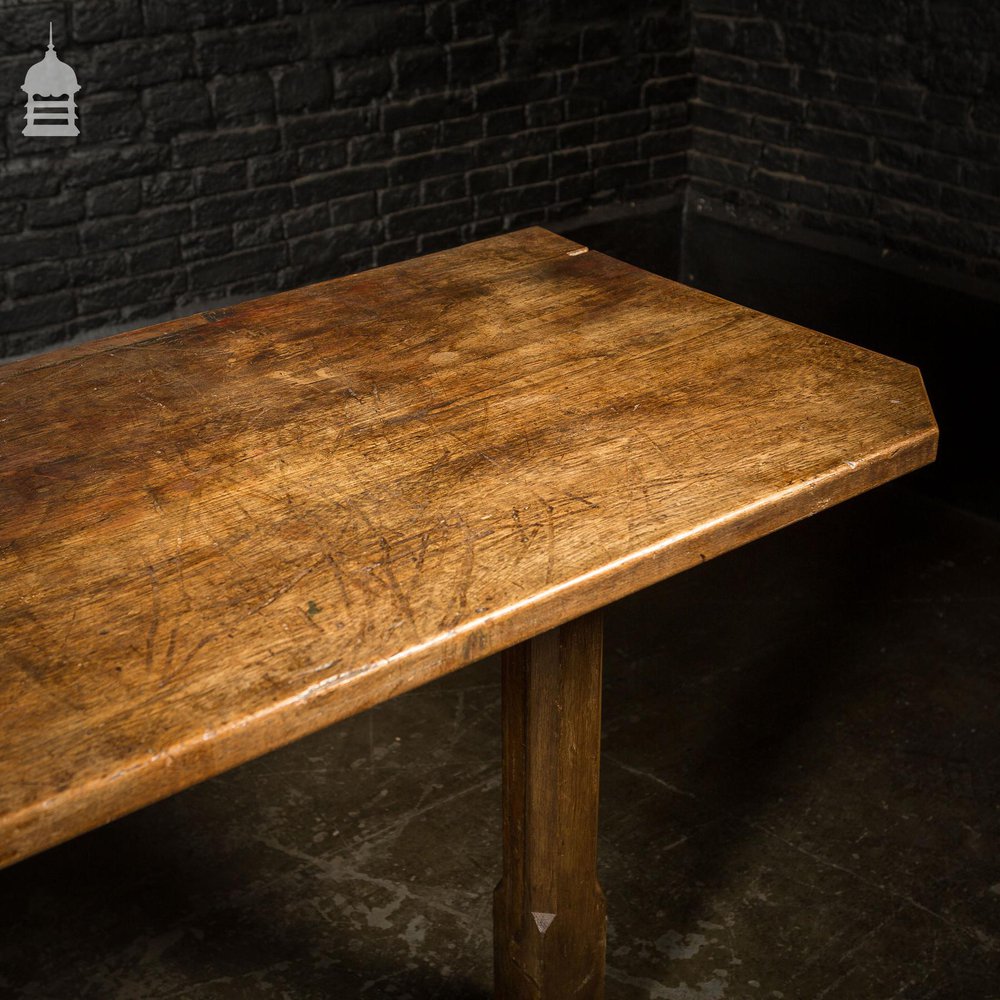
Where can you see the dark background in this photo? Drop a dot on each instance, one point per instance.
(233, 148)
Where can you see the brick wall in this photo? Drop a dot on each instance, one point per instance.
(872, 121)
(236, 147)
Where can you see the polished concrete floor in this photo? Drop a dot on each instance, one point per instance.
(801, 799)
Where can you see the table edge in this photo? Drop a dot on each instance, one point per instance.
(46, 823)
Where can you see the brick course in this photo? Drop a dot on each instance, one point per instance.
(251, 145)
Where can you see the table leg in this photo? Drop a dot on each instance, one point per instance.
(548, 910)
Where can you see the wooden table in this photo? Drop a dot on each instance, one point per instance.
(222, 533)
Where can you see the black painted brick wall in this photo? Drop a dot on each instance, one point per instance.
(872, 120)
(235, 147)
(240, 146)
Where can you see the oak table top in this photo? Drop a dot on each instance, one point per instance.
(224, 532)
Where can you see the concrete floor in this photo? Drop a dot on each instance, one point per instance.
(801, 799)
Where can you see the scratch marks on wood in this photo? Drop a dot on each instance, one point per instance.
(387, 576)
(339, 574)
(587, 503)
(399, 594)
(465, 573)
(518, 526)
(198, 647)
(169, 657)
(550, 534)
(422, 554)
(647, 437)
(154, 614)
(285, 587)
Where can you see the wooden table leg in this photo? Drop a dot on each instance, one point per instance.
(548, 910)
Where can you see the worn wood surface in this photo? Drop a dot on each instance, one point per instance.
(548, 910)
(225, 532)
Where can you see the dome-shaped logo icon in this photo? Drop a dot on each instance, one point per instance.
(51, 86)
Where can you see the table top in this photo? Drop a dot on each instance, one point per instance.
(221, 533)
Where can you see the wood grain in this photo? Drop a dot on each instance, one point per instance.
(548, 910)
(220, 534)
